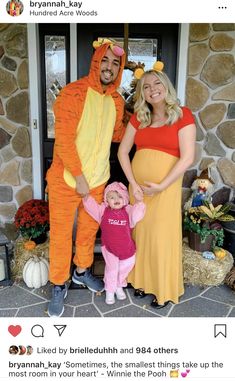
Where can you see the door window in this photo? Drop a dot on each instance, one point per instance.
(55, 72)
(140, 50)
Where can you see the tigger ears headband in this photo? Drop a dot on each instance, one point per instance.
(158, 66)
(117, 50)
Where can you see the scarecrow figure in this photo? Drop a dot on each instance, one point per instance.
(203, 188)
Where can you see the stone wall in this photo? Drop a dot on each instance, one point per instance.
(15, 145)
(210, 94)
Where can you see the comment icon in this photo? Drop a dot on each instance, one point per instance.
(37, 330)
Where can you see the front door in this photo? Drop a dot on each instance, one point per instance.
(54, 45)
(146, 44)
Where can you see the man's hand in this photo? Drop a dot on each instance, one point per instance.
(82, 186)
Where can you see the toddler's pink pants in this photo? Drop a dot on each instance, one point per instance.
(116, 270)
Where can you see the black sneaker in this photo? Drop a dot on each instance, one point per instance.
(87, 279)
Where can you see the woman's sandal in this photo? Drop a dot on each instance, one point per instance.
(139, 293)
(155, 304)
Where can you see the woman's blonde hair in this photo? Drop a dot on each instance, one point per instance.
(143, 108)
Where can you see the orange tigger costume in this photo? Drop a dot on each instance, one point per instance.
(86, 121)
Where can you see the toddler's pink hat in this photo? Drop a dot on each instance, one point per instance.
(117, 187)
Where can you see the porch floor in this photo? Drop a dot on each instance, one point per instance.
(20, 301)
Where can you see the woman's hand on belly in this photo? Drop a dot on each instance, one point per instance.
(151, 188)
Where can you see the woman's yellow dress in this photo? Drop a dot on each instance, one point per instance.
(158, 236)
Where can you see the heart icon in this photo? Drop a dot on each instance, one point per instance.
(184, 374)
(14, 330)
(187, 370)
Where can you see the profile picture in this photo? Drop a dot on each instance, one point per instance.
(22, 350)
(13, 350)
(29, 350)
(14, 7)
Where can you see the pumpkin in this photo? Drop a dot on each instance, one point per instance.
(219, 252)
(35, 272)
(29, 245)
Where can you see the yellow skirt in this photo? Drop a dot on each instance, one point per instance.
(158, 236)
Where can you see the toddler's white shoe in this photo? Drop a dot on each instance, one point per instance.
(120, 293)
(109, 298)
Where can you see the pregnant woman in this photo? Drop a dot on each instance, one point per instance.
(164, 134)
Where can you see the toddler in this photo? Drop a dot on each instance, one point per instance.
(116, 218)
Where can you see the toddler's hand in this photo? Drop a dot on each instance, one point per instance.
(137, 192)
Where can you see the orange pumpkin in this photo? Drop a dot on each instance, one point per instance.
(29, 245)
(219, 252)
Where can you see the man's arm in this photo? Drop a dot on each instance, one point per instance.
(66, 122)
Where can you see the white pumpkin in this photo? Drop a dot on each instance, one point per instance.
(35, 272)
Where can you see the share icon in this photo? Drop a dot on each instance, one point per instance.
(60, 328)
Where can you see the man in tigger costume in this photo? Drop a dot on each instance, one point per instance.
(88, 117)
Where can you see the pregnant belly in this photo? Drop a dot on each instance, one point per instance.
(152, 165)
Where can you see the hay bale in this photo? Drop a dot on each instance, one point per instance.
(21, 256)
(204, 272)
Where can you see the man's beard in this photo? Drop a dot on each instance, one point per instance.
(106, 81)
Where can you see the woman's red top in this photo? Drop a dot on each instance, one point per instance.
(164, 138)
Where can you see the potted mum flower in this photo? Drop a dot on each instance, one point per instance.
(32, 220)
(203, 224)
